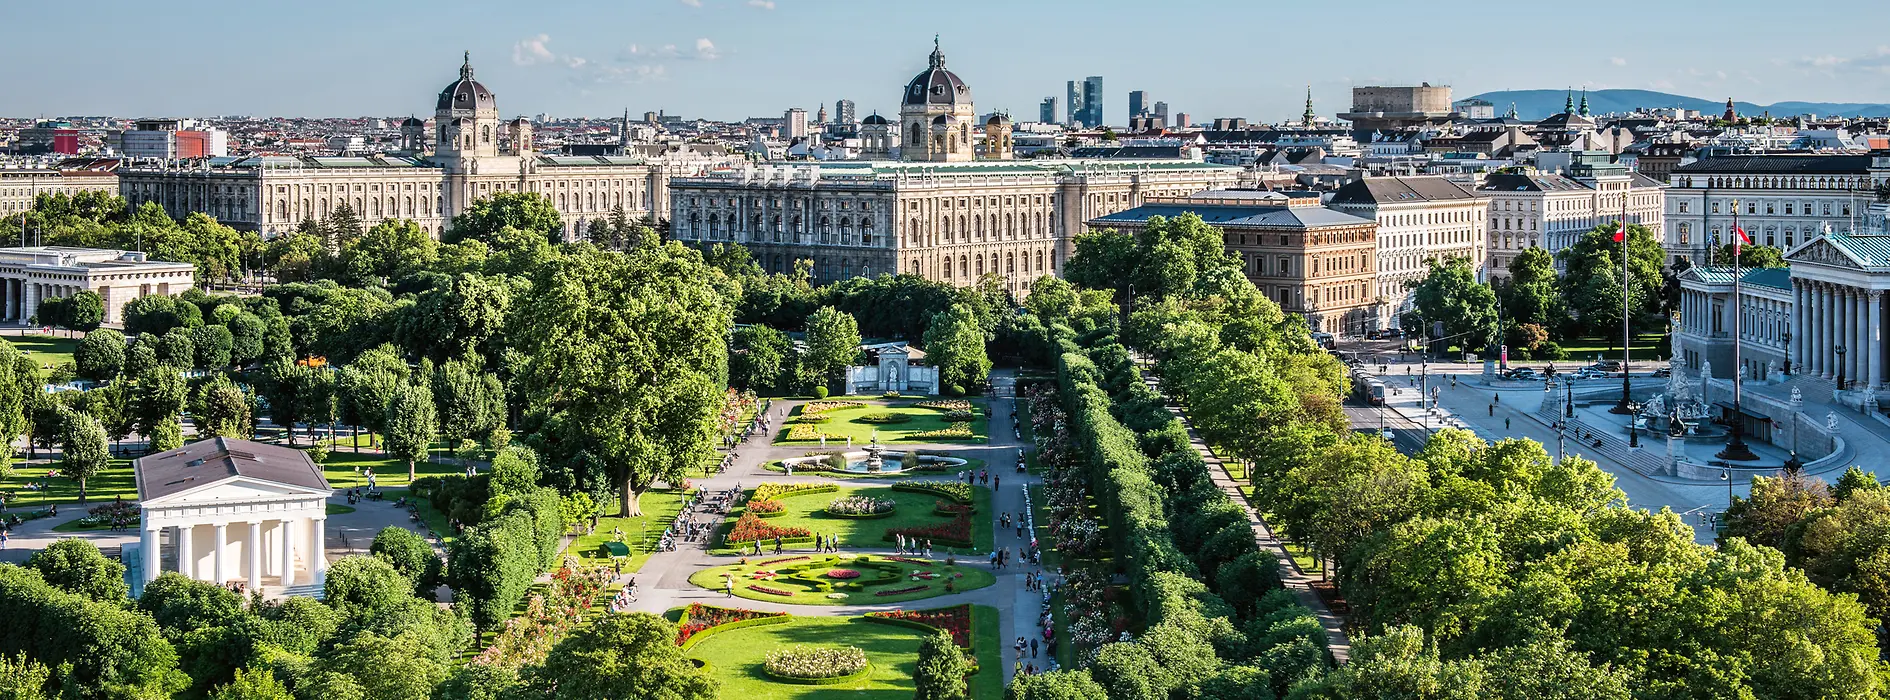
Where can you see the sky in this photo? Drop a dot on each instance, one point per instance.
(730, 59)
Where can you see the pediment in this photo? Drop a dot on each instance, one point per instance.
(1821, 251)
(234, 489)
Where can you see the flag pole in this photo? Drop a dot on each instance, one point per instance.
(1736, 449)
(1627, 335)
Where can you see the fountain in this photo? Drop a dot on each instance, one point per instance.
(874, 457)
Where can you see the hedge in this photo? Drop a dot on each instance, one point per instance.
(921, 488)
(738, 624)
(800, 490)
(836, 680)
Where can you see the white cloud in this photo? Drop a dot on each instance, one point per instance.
(763, 4)
(1617, 60)
(533, 50)
(1875, 62)
(692, 3)
(706, 50)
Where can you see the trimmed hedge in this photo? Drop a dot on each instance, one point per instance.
(921, 488)
(886, 418)
(799, 490)
(738, 624)
(836, 680)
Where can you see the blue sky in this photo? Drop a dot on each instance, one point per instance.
(730, 59)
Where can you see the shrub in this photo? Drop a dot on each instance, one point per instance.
(860, 505)
(750, 527)
(954, 390)
(955, 490)
(775, 492)
(955, 430)
(836, 461)
(820, 392)
(808, 433)
(890, 395)
(959, 416)
(807, 662)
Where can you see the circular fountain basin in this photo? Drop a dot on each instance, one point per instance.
(857, 462)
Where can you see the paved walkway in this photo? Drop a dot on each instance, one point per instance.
(1295, 579)
(664, 578)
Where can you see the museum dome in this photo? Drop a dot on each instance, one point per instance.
(466, 93)
(937, 86)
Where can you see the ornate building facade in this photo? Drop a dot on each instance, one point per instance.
(1783, 200)
(937, 115)
(1419, 218)
(468, 154)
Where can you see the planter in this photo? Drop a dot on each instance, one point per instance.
(836, 680)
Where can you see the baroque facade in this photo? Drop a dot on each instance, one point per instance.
(1783, 200)
(1419, 218)
(468, 155)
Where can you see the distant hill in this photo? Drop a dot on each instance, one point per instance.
(1537, 104)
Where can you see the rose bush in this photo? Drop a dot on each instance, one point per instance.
(764, 505)
(801, 661)
(860, 505)
(751, 527)
(955, 619)
(699, 617)
(842, 573)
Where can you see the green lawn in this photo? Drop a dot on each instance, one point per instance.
(987, 641)
(971, 464)
(44, 350)
(640, 533)
(804, 577)
(1060, 622)
(101, 488)
(344, 466)
(844, 423)
(1585, 349)
(912, 510)
(735, 659)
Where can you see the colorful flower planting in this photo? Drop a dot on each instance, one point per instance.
(699, 617)
(945, 404)
(783, 560)
(807, 662)
(751, 527)
(763, 505)
(956, 431)
(955, 619)
(860, 505)
(771, 591)
(902, 591)
(959, 416)
(776, 492)
(813, 580)
(956, 490)
(956, 533)
(805, 432)
(814, 408)
(548, 617)
(843, 573)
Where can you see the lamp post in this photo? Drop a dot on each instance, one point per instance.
(1840, 363)
(1798, 405)
(1634, 429)
(1787, 337)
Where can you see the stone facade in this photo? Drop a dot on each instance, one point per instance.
(29, 276)
(1784, 200)
(1419, 218)
(20, 186)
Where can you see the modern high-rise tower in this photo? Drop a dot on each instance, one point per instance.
(1138, 103)
(1074, 106)
(1047, 113)
(843, 111)
(1093, 101)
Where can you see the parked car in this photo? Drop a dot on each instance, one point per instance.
(1664, 372)
(1607, 366)
(1522, 374)
(1590, 373)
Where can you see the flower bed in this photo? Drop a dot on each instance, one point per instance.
(816, 418)
(902, 591)
(776, 492)
(698, 617)
(782, 560)
(910, 560)
(959, 416)
(956, 533)
(842, 573)
(814, 408)
(805, 663)
(956, 490)
(770, 591)
(803, 431)
(765, 506)
(956, 430)
(946, 404)
(883, 418)
(861, 507)
(750, 528)
(955, 620)
(548, 617)
(952, 509)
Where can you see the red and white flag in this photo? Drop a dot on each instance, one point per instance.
(1620, 231)
(1740, 239)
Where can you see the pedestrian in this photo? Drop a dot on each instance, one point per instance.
(1492, 410)
(1033, 648)
(1506, 423)
(996, 482)
(728, 586)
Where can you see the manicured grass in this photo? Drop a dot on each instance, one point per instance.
(1060, 622)
(735, 658)
(111, 482)
(844, 423)
(987, 639)
(338, 509)
(45, 350)
(1584, 349)
(802, 578)
(971, 464)
(911, 510)
(640, 533)
(344, 467)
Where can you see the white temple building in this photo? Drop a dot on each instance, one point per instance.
(234, 510)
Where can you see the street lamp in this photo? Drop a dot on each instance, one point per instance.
(1633, 429)
(1840, 363)
(1797, 405)
(1787, 337)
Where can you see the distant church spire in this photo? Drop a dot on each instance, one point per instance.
(1568, 105)
(1584, 111)
(1308, 116)
(1512, 110)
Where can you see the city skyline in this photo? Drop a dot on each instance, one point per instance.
(723, 59)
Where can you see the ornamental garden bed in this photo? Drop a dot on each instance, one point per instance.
(805, 517)
(895, 421)
(927, 471)
(844, 579)
(737, 659)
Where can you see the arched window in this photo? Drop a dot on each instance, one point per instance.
(964, 266)
(915, 266)
(695, 226)
(826, 231)
(980, 222)
(980, 266)
(1010, 264)
(948, 229)
(1040, 261)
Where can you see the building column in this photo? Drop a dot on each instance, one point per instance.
(1819, 314)
(222, 574)
(318, 558)
(1860, 364)
(288, 552)
(1799, 306)
(149, 544)
(253, 550)
(186, 559)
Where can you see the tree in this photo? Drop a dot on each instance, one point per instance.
(19, 382)
(22, 678)
(86, 450)
(1761, 256)
(412, 556)
(152, 313)
(341, 227)
(955, 345)
(246, 337)
(469, 403)
(941, 670)
(833, 340)
(525, 211)
(455, 319)
(621, 655)
(365, 587)
(1774, 504)
(367, 386)
(1591, 281)
(176, 349)
(76, 566)
(391, 248)
(211, 347)
(1056, 685)
(284, 385)
(223, 409)
(51, 313)
(1450, 293)
(253, 684)
(1530, 295)
(100, 355)
(627, 364)
(297, 257)
(758, 357)
(84, 311)
(411, 425)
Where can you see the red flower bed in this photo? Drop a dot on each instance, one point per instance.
(949, 507)
(763, 505)
(751, 527)
(771, 591)
(700, 617)
(910, 560)
(958, 530)
(955, 619)
(772, 562)
(842, 573)
(897, 591)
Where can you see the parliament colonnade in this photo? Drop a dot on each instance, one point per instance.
(1840, 331)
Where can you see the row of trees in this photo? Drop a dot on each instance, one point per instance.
(92, 219)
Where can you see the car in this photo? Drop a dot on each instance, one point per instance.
(1607, 366)
(1521, 373)
(1590, 373)
(1663, 372)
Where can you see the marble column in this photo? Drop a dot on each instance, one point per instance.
(1821, 318)
(1874, 340)
(252, 549)
(288, 552)
(186, 556)
(1800, 304)
(318, 556)
(148, 545)
(222, 574)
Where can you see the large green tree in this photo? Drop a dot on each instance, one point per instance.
(525, 211)
(391, 248)
(87, 451)
(941, 670)
(833, 340)
(100, 355)
(627, 358)
(955, 345)
(1591, 281)
(760, 359)
(76, 566)
(159, 402)
(1451, 294)
(412, 423)
(621, 655)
